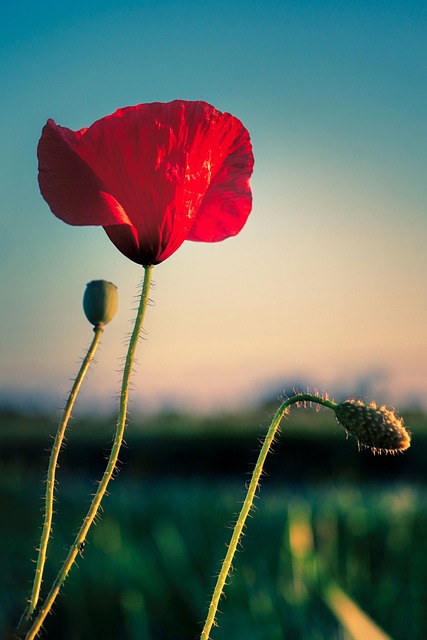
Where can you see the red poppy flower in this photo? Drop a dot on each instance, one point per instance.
(152, 175)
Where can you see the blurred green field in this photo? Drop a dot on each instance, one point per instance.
(148, 567)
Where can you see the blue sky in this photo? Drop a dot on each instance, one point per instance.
(326, 283)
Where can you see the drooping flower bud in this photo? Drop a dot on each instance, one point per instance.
(376, 427)
(100, 302)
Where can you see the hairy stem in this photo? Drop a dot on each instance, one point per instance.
(53, 461)
(111, 465)
(248, 502)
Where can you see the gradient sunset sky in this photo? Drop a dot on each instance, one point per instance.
(326, 285)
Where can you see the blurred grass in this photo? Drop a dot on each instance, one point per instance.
(149, 565)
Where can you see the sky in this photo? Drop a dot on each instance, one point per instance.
(325, 287)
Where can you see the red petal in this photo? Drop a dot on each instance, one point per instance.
(125, 238)
(228, 199)
(73, 191)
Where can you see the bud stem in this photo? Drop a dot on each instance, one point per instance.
(50, 481)
(249, 499)
(112, 461)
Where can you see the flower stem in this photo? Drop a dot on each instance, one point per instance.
(53, 461)
(111, 465)
(249, 499)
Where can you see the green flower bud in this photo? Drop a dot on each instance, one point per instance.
(375, 427)
(100, 302)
